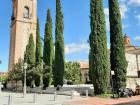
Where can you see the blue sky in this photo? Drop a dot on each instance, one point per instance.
(77, 27)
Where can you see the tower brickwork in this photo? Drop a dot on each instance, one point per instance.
(23, 23)
(126, 40)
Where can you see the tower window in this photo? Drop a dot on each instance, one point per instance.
(26, 12)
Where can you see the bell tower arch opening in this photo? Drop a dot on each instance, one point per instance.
(26, 12)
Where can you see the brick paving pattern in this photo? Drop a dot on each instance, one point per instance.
(48, 99)
(135, 100)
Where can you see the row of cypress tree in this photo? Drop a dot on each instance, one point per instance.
(98, 56)
(47, 66)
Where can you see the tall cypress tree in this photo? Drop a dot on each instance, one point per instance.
(48, 51)
(29, 58)
(59, 63)
(90, 66)
(98, 45)
(38, 77)
(38, 45)
(117, 55)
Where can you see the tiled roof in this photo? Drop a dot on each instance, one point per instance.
(130, 47)
(3, 73)
(84, 65)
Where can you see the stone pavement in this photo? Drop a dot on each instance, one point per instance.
(42, 99)
(48, 99)
(135, 100)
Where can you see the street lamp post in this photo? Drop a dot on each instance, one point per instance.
(24, 88)
(112, 74)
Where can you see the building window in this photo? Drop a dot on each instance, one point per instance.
(26, 12)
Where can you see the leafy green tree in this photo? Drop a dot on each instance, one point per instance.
(59, 63)
(117, 55)
(3, 78)
(98, 45)
(39, 67)
(48, 51)
(72, 71)
(29, 58)
(16, 74)
(38, 75)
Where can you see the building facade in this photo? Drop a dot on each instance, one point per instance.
(23, 23)
(132, 54)
(84, 68)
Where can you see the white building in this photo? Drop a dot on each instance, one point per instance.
(132, 54)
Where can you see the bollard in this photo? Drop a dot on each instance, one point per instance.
(86, 93)
(23, 95)
(10, 100)
(34, 98)
(72, 94)
(55, 96)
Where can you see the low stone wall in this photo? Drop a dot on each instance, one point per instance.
(65, 90)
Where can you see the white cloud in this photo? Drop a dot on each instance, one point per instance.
(107, 24)
(124, 26)
(76, 48)
(138, 18)
(106, 12)
(122, 1)
(123, 10)
(134, 2)
(137, 38)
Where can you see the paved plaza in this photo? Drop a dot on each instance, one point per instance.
(104, 101)
(48, 99)
(41, 99)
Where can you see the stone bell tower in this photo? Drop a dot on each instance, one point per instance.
(23, 23)
(126, 40)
